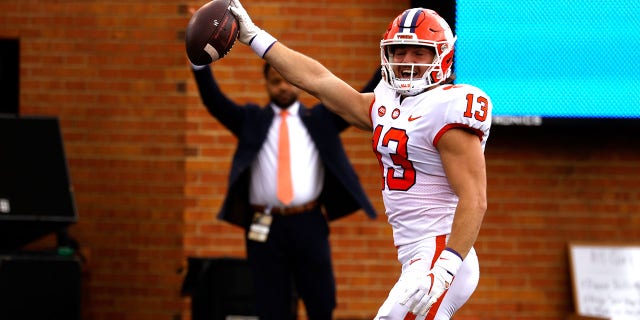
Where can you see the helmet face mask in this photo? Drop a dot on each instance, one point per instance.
(423, 28)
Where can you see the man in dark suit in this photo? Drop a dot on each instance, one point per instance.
(287, 239)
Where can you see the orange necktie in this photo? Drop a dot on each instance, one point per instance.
(285, 188)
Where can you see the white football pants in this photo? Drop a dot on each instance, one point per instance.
(428, 250)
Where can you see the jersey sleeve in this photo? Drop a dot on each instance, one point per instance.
(467, 107)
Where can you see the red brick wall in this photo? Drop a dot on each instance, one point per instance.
(112, 71)
(149, 165)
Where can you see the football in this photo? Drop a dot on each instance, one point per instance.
(211, 32)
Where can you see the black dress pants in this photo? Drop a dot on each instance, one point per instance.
(297, 250)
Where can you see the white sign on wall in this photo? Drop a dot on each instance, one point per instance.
(606, 280)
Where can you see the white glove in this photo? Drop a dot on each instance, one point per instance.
(248, 29)
(259, 40)
(422, 294)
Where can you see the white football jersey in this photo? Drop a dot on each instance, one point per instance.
(418, 199)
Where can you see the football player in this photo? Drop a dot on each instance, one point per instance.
(429, 136)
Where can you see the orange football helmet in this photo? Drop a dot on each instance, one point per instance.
(419, 27)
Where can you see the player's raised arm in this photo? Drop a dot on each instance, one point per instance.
(313, 77)
(305, 72)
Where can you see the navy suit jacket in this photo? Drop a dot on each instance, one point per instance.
(342, 193)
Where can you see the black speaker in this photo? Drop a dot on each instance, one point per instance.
(9, 76)
(36, 195)
(219, 287)
(39, 286)
(222, 289)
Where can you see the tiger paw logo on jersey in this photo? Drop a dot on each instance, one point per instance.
(395, 114)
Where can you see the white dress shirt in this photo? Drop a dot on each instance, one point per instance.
(307, 171)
